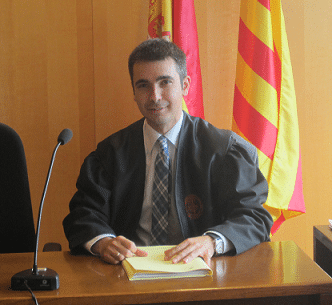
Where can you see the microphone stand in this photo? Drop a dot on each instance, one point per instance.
(35, 268)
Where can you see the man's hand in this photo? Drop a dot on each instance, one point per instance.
(114, 250)
(191, 248)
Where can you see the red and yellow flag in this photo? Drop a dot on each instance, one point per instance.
(264, 110)
(175, 20)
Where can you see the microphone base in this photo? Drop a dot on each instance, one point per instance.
(44, 279)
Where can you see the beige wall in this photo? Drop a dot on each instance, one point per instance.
(64, 65)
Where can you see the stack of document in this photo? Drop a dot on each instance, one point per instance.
(154, 266)
(330, 224)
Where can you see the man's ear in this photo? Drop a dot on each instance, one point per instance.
(186, 85)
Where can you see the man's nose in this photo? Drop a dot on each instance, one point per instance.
(156, 93)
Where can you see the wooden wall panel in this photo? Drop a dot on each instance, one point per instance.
(47, 85)
(118, 27)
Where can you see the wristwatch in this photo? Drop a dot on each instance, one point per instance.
(218, 244)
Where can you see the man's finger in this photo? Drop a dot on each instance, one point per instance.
(207, 258)
(110, 258)
(188, 254)
(176, 250)
(190, 249)
(141, 253)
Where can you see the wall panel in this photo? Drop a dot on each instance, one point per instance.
(42, 75)
(118, 27)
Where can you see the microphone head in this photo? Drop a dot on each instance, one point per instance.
(65, 136)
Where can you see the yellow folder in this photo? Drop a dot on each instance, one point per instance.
(154, 266)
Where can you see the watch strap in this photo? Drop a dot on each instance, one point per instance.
(218, 243)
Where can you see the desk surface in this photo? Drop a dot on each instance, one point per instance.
(268, 270)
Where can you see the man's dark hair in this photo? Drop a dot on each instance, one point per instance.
(158, 49)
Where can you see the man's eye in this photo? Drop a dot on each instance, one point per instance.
(165, 82)
(142, 85)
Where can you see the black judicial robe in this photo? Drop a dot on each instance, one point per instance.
(218, 186)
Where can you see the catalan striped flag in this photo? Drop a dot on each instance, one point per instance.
(264, 110)
(175, 20)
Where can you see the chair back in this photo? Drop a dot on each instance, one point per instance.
(17, 232)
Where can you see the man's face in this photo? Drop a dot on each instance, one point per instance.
(158, 92)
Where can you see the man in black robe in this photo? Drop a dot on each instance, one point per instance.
(217, 191)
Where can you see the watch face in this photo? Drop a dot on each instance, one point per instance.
(219, 246)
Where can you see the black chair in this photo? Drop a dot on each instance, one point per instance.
(17, 232)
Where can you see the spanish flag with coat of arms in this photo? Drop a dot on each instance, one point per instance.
(264, 110)
(175, 20)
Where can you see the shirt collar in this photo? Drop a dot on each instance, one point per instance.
(151, 136)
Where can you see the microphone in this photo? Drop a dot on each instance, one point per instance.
(65, 136)
(41, 278)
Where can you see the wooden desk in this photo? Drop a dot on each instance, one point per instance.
(323, 247)
(271, 273)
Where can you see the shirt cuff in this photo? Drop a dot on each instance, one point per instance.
(228, 245)
(88, 245)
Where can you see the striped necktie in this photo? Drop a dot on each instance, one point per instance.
(160, 195)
